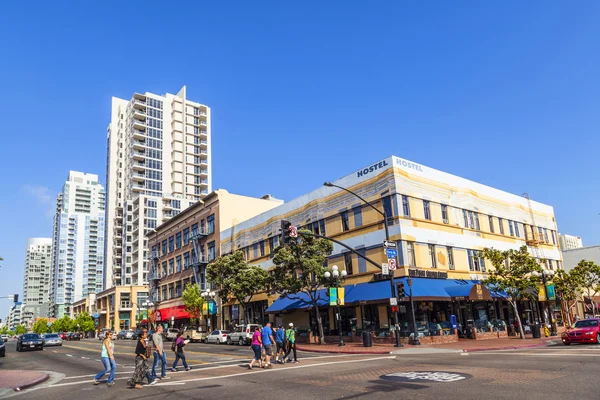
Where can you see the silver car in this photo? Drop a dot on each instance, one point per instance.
(52, 339)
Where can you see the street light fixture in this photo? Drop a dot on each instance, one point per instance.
(416, 340)
(208, 295)
(547, 273)
(387, 238)
(336, 274)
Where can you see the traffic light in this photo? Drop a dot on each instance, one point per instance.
(401, 292)
(395, 309)
(16, 298)
(286, 230)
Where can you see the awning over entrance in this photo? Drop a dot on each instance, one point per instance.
(298, 302)
(177, 312)
(468, 290)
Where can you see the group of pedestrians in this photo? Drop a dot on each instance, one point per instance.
(263, 340)
(146, 347)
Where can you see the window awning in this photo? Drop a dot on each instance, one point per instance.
(468, 290)
(177, 312)
(427, 288)
(298, 301)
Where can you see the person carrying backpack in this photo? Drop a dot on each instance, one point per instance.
(177, 347)
(280, 342)
(290, 337)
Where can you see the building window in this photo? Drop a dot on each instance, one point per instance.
(154, 254)
(255, 250)
(546, 235)
(172, 243)
(348, 262)
(553, 237)
(511, 231)
(491, 220)
(211, 251)
(178, 240)
(432, 255)
(164, 268)
(194, 230)
(178, 263)
(345, 221)
(445, 213)
(271, 245)
(186, 236)
(210, 222)
(262, 248)
(516, 224)
(164, 293)
(476, 261)
(476, 217)
(186, 260)
(362, 264)
(178, 289)
(405, 206)
(357, 216)
(450, 257)
(410, 254)
(387, 209)
(501, 224)
(426, 210)
(171, 266)
(465, 218)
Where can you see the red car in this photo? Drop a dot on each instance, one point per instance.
(584, 331)
(62, 335)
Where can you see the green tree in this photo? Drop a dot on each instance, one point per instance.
(21, 329)
(512, 274)
(83, 322)
(567, 289)
(63, 324)
(235, 278)
(41, 326)
(3, 330)
(299, 269)
(193, 301)
(586, 275)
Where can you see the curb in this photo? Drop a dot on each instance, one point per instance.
(341, 352)
(34, 382)
(529, 346)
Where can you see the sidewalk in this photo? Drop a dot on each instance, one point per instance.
(463, 345)
(18, 380)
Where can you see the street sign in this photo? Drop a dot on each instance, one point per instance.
(293, 231)
(391, 253)
(388, 244)
(385, 269)
(392, 263)
(393, 301)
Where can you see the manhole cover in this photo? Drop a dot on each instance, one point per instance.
(426, 376)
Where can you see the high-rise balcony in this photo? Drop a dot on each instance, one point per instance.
(140, 125)
(139, 166)
(139, 135)
(139, 114)
(139, 104)
(139, 155)
(138, 177)
(203, 144)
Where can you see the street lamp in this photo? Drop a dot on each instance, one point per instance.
(412, 309)
(387, 238)
(146, 305)
(544, 274)
(208, 295)
(336, 274)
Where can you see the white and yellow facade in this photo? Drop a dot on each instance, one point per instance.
(440, 222)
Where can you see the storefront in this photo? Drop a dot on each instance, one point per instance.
(173, 317)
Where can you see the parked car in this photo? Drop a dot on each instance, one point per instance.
(73, 336)
(2, 348)
(584, 331)
(242, 334)
(103, 334)
(52, 339)
(171, 333)
(126, 334)
(62, 335)
(218, 337)
(30, 341)
(121, 335)
(195, 334)
(4, 337)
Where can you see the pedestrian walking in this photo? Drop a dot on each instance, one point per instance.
(179, 353)
(108, 360)
(290, 338)
(267, 342)
(158, 351)
(256, 346)
(280, 342)
(142, 352)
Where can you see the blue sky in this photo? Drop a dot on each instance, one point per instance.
(505, 94)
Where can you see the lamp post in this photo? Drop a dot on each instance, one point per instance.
(146, 305)
(208, 296)
(416, 340)
(336, 274)
(387, 238)
(544, 274)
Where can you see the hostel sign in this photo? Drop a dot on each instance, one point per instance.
(417, 273)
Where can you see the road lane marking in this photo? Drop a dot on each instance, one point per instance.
(68, 355)
(532, 354)
(221, 367)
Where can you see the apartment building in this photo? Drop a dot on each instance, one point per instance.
(120, 307)
(36, 279)
(569, 242)
(183, 246)
(158, 164)
(78, 242)
(14, 316)
(440, 224)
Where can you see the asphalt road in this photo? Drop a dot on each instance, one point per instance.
(219, 372)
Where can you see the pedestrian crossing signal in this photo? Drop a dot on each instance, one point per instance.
(401, 291)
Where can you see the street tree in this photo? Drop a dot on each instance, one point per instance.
(235, 278)
(21, 329)
(299, 270)
(567, 288)
(41, 326)
(193, 301)
(586, 274)
(512, 275)
(63, 324)
(83, 322)
(3, 330)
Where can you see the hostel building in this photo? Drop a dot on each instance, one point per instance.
(440, 223)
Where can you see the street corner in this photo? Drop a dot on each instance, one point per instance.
(18, 380)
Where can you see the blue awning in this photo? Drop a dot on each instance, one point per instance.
(369, 291)
(298, 301)
(427, 288)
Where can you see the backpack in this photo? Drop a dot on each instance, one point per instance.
(174, 346)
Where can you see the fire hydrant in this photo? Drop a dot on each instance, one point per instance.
(546, 331)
